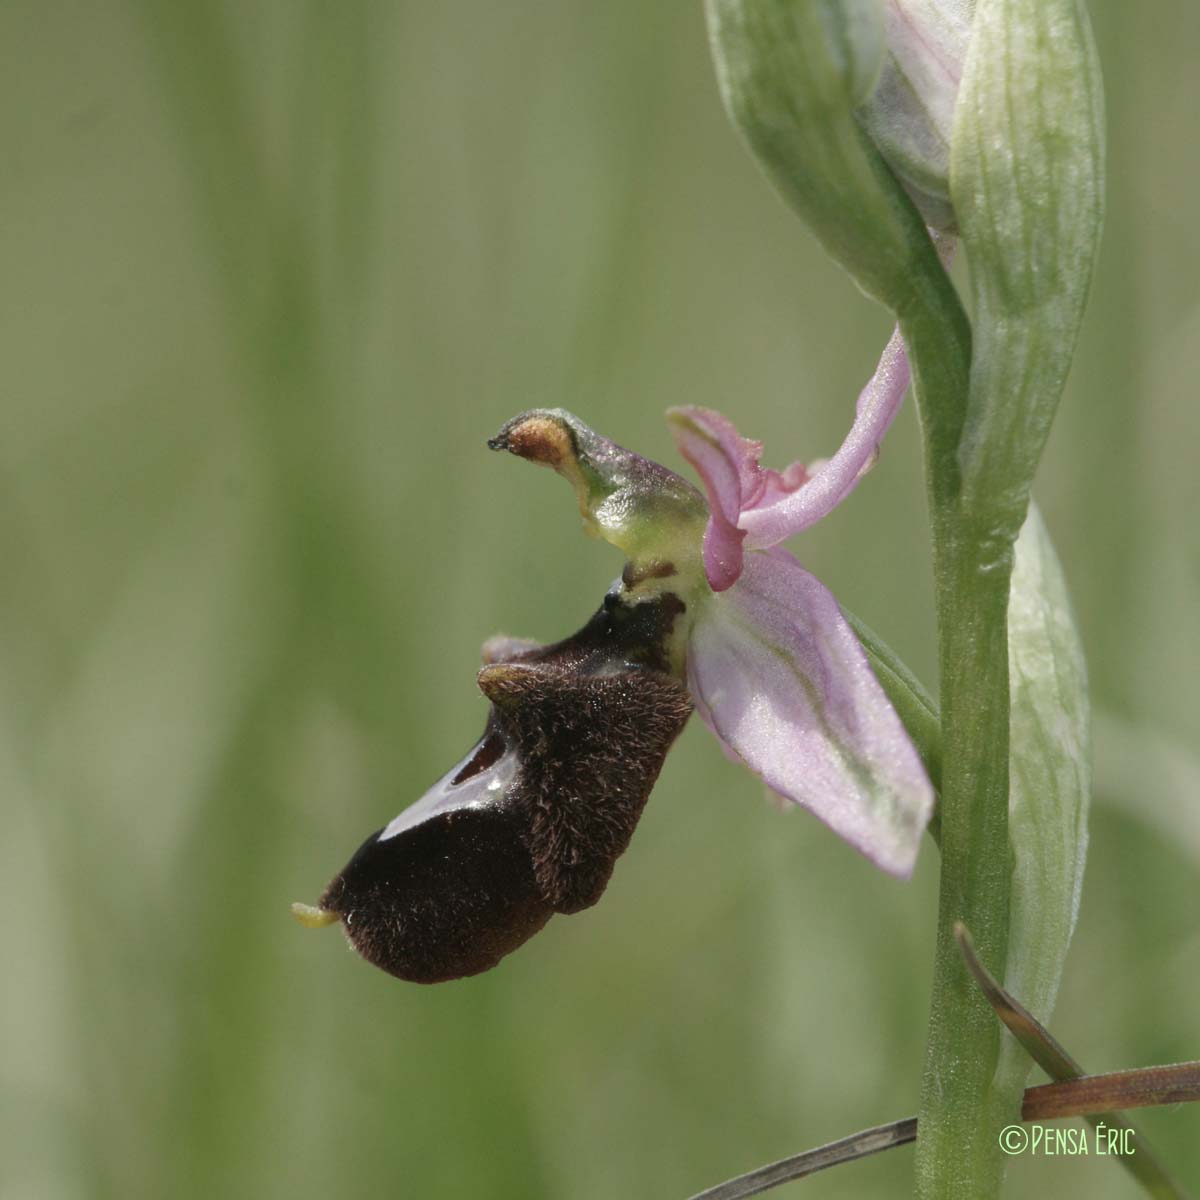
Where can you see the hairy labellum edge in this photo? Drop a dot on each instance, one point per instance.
(533, 819)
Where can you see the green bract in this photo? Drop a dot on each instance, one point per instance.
(792, 75)
(1050, 780)
(1026, 176)
(798, 80)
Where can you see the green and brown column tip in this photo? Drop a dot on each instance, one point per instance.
(655, 517)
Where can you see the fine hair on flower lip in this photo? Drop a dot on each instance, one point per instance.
(531, 822)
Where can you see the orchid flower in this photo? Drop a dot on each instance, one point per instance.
(773, 668)
(709, 613)
(771, 664)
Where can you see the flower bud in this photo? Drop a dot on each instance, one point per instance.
(533, 819)
(910, 114)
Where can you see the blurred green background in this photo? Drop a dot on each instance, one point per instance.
(271, 274)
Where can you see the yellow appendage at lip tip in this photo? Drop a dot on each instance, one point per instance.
(313, 917)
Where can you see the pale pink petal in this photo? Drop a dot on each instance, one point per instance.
(726, 461)
(780, 513)
(728, 467)
(777, 484)
(778, 675)
(722, 553)
(726, 464)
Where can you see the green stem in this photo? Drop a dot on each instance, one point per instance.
(961, 1109)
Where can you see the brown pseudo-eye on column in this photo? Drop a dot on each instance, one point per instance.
(533, 819)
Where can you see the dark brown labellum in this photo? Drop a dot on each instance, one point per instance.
(533, 820)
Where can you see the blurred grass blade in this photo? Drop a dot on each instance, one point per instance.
(1068, 1098)
(1024, 1026)
(847, 1149)
(1041, 1046)
(1142, 1087)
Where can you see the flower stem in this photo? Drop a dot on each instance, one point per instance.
(961, 1106)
